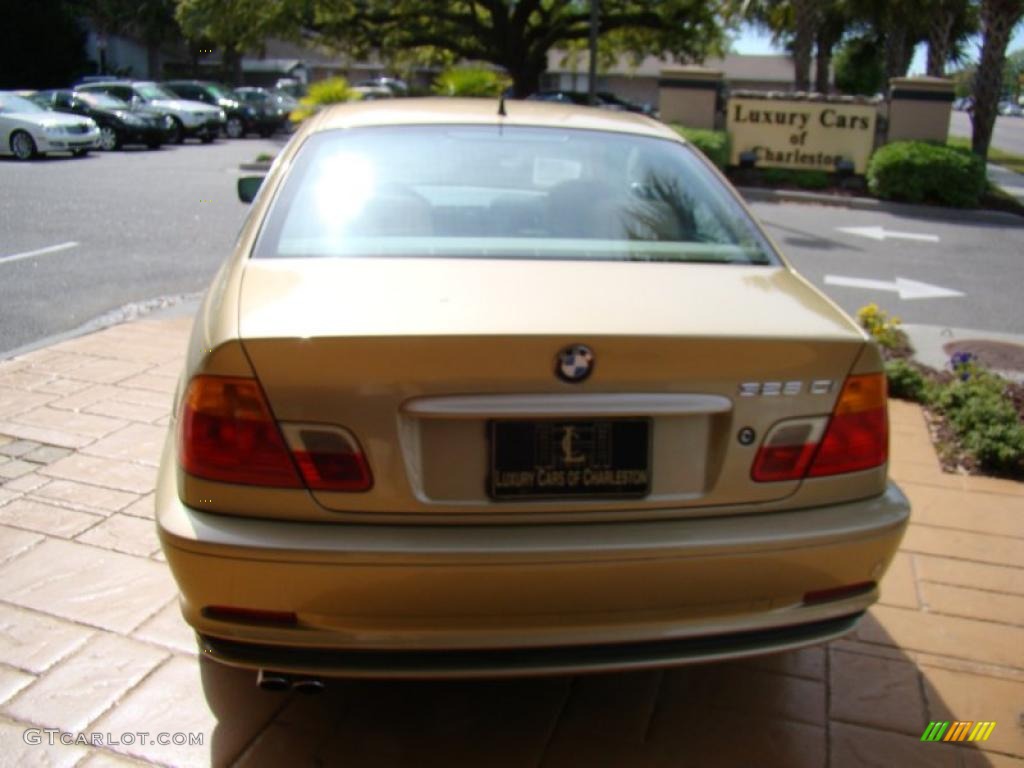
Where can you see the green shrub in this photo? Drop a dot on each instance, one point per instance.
(714, 144)
(984, 418)
(919, 172)
(471, 81)
(778, 177)
(333, 90)
(906, 382)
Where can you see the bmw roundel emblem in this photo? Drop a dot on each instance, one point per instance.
(575, 363)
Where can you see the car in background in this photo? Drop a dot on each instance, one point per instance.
(272, 107)
(189, 119)
(1010, 109)
(610, 99)
(487, 393)
(371, 92)
(240, 118)
(27, 129)
(578, 98)
(397, 87)
(119, 124)
(963, 104)
(292, 86)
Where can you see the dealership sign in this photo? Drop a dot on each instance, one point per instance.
(793, 133)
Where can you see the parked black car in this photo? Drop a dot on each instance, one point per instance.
(189, 118)
(611, 99)
(119, 123)
(603, 99)
(272, 107)
(241, 118)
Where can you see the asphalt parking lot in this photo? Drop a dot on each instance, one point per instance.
(144, 224)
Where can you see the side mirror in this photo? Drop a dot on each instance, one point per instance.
(248, 186)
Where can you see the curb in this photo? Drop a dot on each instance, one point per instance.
(759, 194)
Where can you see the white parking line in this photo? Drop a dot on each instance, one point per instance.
(38, 252)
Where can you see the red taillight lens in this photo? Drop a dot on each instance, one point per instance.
(329, 458)
(857, 436)
(227, 433)
(782, 462)
(787, 450)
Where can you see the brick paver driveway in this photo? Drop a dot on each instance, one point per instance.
(91, 641)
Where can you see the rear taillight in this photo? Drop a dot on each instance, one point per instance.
(228, 434)
(855, 438)
(858, 433)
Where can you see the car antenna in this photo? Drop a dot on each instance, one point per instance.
(501, 106)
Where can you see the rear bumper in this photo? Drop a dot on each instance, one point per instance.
(491, 600)
(523, 661)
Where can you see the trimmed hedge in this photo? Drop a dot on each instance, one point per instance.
(919, 172)
(714, 144)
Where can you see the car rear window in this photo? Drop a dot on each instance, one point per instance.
(482, 191)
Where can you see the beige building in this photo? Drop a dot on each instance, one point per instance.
(639, 81)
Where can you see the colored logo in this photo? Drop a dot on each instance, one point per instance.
(575, 363)
(958, 730)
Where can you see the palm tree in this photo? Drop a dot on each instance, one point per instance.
(998, 18)
(949, 24)
(797, 21)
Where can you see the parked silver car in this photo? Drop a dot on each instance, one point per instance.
(26, 129)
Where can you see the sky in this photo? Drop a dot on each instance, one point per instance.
(753, 41)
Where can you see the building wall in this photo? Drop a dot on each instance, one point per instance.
(123, 55)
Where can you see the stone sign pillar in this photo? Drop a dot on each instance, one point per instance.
(919, 108)
(689, 96)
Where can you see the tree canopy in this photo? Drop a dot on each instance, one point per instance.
(518, 34)
(236, 26)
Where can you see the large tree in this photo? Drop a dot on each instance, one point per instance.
(998, 18)
(236, 26)
(155, 23)
(42, 45)
(517, 35)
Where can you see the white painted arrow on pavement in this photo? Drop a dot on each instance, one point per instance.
(907, 289)
(880, 233)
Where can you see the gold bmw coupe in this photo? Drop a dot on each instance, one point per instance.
(494, 390)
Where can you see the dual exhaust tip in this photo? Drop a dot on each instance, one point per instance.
(280, 682)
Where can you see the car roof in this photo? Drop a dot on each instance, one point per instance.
(447, 111)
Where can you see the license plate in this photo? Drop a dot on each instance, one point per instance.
(606, 458)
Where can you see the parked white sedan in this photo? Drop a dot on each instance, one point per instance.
(26, 129)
